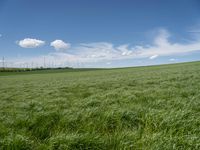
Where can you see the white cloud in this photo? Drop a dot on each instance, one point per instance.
(0, 35)
(153, 57)
(60, 45)
(124, 50)
(172, 59)
(30, 43)
(162, 39)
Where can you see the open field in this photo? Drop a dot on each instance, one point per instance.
(148, 108)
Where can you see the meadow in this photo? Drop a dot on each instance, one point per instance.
(143, 108)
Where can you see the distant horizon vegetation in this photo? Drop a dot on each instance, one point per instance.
(22, 69)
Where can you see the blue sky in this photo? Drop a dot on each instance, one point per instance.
(99, 33)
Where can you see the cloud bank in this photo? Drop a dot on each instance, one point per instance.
(101, 51)
(153, 57)
(108, 52)
(30, 43)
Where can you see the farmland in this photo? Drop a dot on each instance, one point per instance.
(155, 107)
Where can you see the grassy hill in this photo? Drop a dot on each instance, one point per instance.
(148, 108)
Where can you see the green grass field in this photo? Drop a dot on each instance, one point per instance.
(148, 108)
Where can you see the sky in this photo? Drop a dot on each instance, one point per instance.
(98, 33)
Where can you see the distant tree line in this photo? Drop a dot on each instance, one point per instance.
(30, 69)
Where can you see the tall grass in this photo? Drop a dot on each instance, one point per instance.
(134, 108)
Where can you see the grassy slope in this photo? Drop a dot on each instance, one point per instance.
(134, 108)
